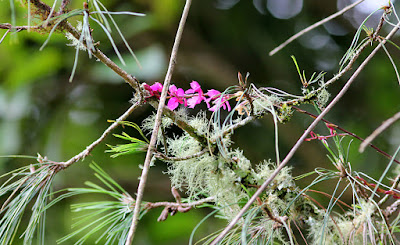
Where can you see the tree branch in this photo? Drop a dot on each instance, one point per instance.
(378, 131)
(303, 137)
(151, 205)
(162, 156)
(157, 123)
(321, 22)
(89, 149)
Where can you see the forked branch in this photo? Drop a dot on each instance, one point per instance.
(303, 137)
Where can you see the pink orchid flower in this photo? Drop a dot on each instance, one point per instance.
(219, 102)
(177, 97)
(154, 90)
(196, 99)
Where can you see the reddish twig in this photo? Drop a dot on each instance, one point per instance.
(330, 196)
(394, 194)
(349, 133)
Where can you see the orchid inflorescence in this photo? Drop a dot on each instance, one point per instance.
(191, 97)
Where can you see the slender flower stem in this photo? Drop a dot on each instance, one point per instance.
(153, 139)
(302, 138)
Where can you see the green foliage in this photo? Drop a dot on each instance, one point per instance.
(25, 185)
(136, 146)
(110, 218)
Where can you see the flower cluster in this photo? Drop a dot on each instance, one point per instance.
(191, 97)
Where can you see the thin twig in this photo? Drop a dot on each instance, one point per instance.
(378, 131)
(131, 80)
(349, 133)
(304, 98)
(392, 208)
(4, 36)
(171, 208)
(394, 186)
(177, 204)
(89, 149)
(16, 28)
(65, 25)
(63, 6)
(153, 139)
(321, 22)
(333, 79)
(302, 138)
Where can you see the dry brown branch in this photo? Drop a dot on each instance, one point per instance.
(378, 131)
(153, 139)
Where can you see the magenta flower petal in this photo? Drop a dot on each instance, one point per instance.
(180, 92)
(212, 93)
(173, 103)
(213, 108)
(195, 100)
(157, 87)
(177, 97)
(195, 87)
(172, 89)
(229, 106)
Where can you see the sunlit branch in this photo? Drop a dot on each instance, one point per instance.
(294, 37)
(153, 139)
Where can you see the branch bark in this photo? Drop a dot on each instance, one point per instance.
(89, 149)
(157, 123)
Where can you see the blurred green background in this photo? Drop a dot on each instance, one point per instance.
(41, 112)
